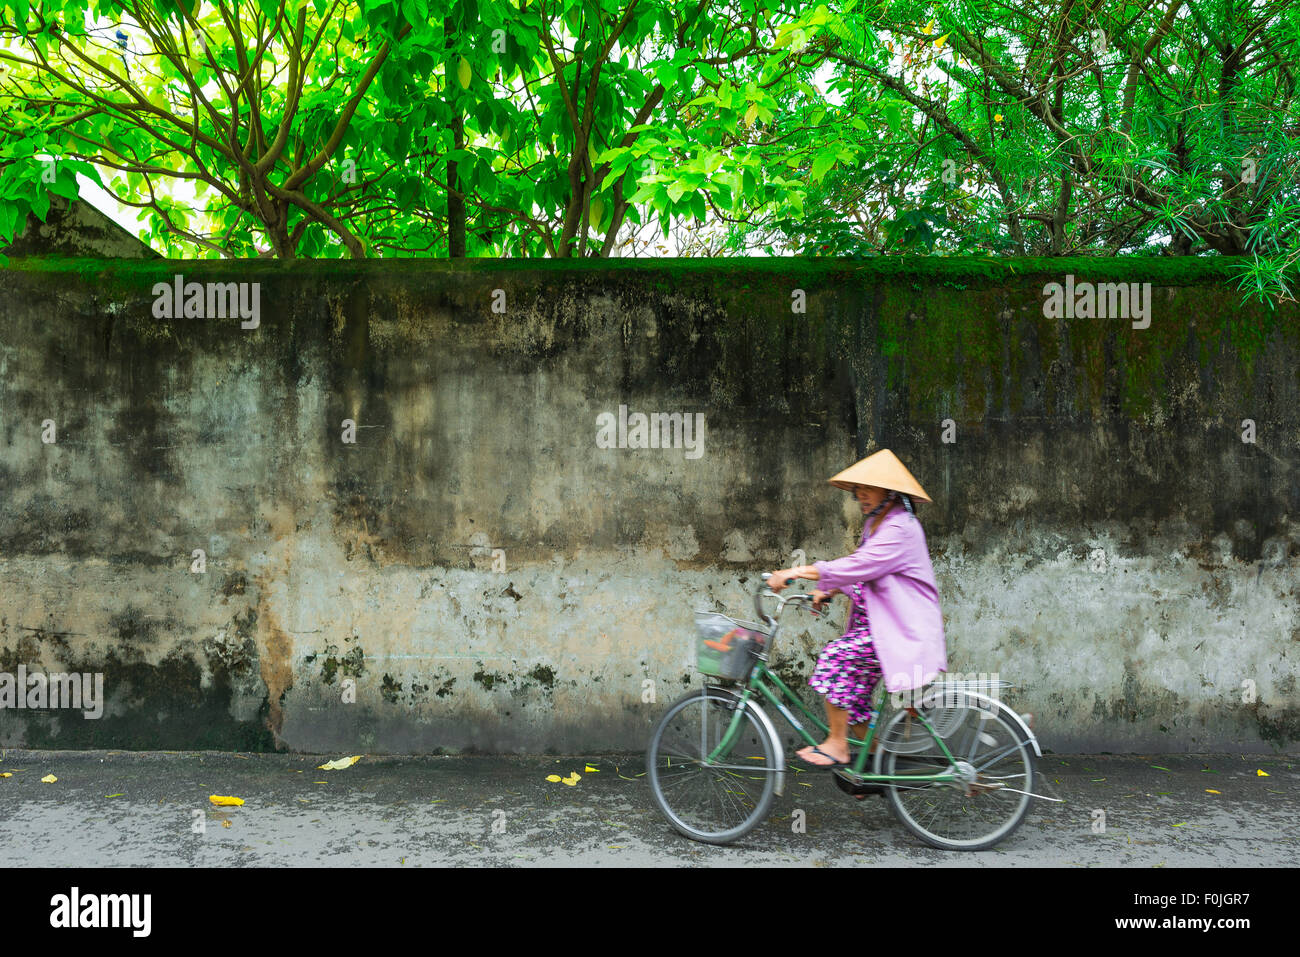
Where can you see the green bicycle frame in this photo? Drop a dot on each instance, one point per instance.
(758, 684)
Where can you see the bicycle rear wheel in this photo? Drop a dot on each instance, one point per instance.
(716, 803)
(995, 765)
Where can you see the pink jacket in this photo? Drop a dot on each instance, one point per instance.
(897, 581)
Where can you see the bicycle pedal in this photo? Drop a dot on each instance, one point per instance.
(856, 789)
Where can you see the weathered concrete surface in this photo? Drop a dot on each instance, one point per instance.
(1102, 535)
(151, 810)
(75, 229)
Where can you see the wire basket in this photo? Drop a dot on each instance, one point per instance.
(947, 706)
(725, 647)
(945, 719)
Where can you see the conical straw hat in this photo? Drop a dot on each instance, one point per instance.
(883, 470)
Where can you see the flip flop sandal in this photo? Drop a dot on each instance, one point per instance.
(833, 764)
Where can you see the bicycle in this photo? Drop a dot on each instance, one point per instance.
(939, 783)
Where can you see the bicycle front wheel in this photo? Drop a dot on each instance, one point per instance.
(994, 767)
(717, 802)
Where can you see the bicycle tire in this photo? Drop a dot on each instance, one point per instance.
(1006, 737)
(671, 798)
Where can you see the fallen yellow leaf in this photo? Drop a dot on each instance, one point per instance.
(48, 779)
(573, 779)
(225, 824)
(7, 774)
(222, 800)
(340, 763)
(1261, 774)
(591, 770)
(554, 778)
(1211, 791)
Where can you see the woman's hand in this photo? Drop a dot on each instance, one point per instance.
(821, 597)
(777, 580)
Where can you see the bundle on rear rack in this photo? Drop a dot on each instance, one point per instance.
(726, 647)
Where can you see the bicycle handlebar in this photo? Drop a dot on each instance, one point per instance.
(764, 592)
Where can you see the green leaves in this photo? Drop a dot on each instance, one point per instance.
(10, 214)
(698, 206)
(415, 12)
(893, 115)
(619, 160)
(848, 157)
(822, 164)
(771, 67)
(666, 74)
(40, 204)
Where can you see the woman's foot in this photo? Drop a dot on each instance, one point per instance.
(826, 754)
(859, 732)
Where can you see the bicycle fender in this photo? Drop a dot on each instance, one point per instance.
(770, 727)
(1002, 706)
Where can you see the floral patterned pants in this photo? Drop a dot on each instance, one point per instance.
(848, 670)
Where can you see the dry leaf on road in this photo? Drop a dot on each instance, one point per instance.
(340, 763)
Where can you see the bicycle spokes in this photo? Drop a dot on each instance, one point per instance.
(992, 768)
(708, 798)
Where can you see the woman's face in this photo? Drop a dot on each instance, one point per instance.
(869, 496)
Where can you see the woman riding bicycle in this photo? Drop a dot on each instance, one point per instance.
(894, 628)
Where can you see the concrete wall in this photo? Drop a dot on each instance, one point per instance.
(1102, 534)
(75, 229)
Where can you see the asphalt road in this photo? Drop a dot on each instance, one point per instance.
(144, 809)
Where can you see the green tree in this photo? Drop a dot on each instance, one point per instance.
(255, 106)
(1068, 128)
(629, 110)
(334, 128)
(560, 127)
